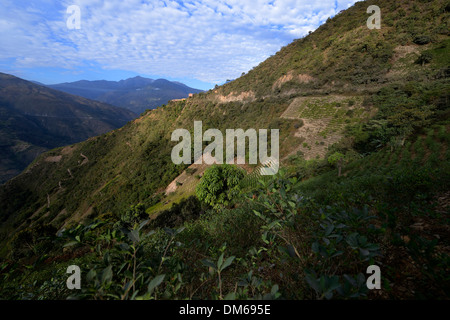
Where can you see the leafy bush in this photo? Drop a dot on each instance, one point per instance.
(133, 215)
(121, 271)
(402, 111)
(219, 185)
(335, 237)
(421, 40)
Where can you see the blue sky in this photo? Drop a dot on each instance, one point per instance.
(199, 42)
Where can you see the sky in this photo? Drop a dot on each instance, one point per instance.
(199, 42)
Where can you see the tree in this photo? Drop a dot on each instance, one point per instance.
(219, 185)
(337, 159)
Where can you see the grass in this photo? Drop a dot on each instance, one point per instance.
(168, 201)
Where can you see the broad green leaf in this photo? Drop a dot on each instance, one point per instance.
(312, 281)
(364, 252)
(273, 224)
(230, 296)
(227, 262)
(124, 246)
(142, 224)
(180, 230)
(155, 283)
(220, 262)
(127, 285)
(274, 290)
(107, 274)
(291, 251)
(133, 297)
(315, 247)
(334, 284)
(134, 236)
(91, 275)
(69, 244)
(329, 230)
(169, 232)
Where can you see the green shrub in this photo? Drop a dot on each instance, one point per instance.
(422, 40)
(135, 214)
(219, 185)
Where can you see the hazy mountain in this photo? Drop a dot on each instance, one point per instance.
(136, 94)
(34, 119)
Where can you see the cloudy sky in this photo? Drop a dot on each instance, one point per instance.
(198, 42)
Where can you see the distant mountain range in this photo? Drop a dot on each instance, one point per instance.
(34, 119)
(136, 94)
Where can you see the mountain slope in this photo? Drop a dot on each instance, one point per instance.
(368, 94)
(343, 55)
(133, 163)
(35, 119)
(136, 94)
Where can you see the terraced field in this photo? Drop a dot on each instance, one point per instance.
(324, 119)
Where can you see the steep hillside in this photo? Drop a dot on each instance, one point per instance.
(136, 94)
(364, 125)
(132, 164)
(35, 119)
(344, 56)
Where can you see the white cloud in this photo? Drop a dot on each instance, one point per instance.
(208, 40)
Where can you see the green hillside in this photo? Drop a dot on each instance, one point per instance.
(34, 119)
(364, 133)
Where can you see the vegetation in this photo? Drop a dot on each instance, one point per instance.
(308, 232)
(283, 225)
(337, 159)
(220, 185)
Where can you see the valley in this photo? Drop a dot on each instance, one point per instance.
(35, 119)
